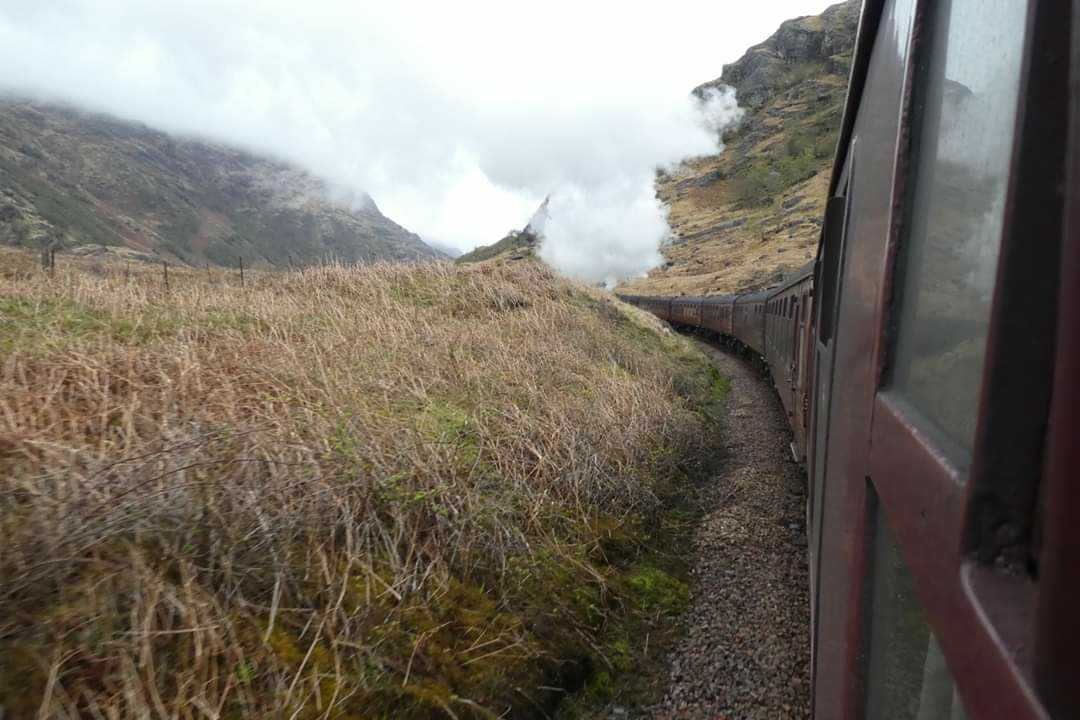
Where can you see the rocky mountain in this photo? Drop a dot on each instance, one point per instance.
(745, 217)
(95, 184)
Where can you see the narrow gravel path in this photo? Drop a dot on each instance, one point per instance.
(746, 653)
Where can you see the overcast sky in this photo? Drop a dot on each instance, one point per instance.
(457, 117)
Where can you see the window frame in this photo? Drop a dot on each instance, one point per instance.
(947, 519)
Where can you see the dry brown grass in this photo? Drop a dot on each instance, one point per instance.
(388, 491)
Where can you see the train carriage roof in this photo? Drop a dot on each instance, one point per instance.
(794, 279)
(719, 299)
(760, 296)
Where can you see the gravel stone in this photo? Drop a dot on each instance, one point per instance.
(746, 653)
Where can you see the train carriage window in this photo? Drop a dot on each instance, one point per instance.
(908, 678)
(963, 117)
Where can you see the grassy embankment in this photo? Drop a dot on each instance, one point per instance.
(392, 491)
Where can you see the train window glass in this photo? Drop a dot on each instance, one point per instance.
(962, 144)
(828, 272)
(907, 677)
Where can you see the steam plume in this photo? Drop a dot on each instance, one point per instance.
(609, 229)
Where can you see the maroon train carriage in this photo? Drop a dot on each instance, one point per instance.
(717, 313)
(749, 320)
(937, 345)
(686, 311)
(660, 307)
(788, 315)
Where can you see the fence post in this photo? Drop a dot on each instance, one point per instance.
(48, 259)
(241, 258)
(208, 278)
(165, 270)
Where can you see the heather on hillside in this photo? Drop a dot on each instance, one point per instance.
(383, 491)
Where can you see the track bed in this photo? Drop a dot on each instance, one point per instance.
(746, 653)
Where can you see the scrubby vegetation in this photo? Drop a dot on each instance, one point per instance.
(388, 491)
(799, 157)
(515, 241)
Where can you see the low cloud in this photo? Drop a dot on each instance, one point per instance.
(457, 118)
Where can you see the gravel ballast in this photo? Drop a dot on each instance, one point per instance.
(746, 653)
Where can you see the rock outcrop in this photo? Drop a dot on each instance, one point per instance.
(818, 41)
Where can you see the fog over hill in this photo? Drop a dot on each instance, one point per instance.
(458, 118)
(91, 183)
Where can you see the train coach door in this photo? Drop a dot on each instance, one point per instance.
(827, 277)
(962, 398)
(795, 333)
(802, 347)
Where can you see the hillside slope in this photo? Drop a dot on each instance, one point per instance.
(396, 490)
(516, 244)
(745, 217)
(104, 185)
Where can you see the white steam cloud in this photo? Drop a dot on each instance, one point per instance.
(613, 228)
(457, 118)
